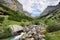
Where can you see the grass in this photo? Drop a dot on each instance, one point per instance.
(5, 25)
(13, 18)
(53, 35)
(7, 22)
(10, 22)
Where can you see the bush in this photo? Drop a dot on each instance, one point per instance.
(53, 35)
(15, 18)
(36, 22)
(24, 20)
(53, 27)
(19, 17)
(1, 19)
(24, 23)
(5, 33)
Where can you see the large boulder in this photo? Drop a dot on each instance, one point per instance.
(15, 28)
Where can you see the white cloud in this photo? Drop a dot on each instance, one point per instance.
(53, 2)
(37, 6)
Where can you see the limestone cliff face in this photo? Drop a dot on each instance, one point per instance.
(13, 4)
(50, 9)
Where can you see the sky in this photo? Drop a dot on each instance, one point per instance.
(36, 7)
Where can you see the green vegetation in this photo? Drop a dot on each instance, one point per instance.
(1, 19)
(11, 17)
(5, 32)
(15, 16)
(53, 36)
(36, 22)
(53, 25)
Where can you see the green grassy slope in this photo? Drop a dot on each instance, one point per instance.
(11, 17)
(53, 36)
(53, 25)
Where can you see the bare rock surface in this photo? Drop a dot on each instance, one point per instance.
(33, 32)
(13, 4)
(16, 28)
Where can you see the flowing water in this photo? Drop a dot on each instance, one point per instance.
(16, 37)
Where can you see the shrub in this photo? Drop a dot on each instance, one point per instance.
(22, 24)
(53, 35)
(5, 33)
(19, 18)
(1, 19)
(36, 22)
(24, 20)
(53, 27)
(15, 18)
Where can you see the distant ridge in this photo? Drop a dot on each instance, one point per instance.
(50, 9)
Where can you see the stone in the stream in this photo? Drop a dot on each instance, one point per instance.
(33, 32)
(15, 28)
(32, 38)
(42, 39)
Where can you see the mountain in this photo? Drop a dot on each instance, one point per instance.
(27, 13)
(13, 15)
(50, 9)
(13, 4)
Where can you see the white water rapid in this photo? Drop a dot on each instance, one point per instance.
(17, 37)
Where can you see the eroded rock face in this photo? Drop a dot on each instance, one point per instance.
(50, 9)
(13, 4)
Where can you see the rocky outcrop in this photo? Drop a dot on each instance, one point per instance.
(13, 4)
(31, 32)
(16, 28)
(50, 9)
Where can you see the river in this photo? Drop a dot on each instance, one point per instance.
(16, 37)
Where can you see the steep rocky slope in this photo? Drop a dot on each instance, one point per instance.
(13, 14)
(13, 4)
(50, 9)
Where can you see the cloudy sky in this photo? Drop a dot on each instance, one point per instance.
(36, 7)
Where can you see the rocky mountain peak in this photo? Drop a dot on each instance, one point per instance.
(13, 4)
(50, 9)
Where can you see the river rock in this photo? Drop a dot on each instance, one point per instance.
(15, 28)
(33, 32)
